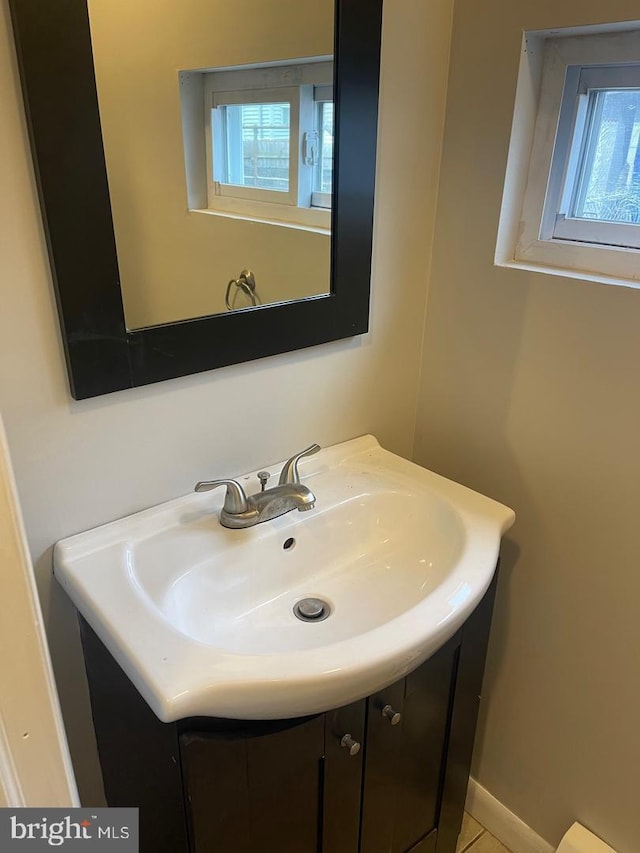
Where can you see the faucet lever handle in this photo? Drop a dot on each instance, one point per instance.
(289, 472)
(235, 499)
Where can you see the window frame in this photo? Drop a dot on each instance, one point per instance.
(296, 83)
(534, 245)
(322, 94)
(215, 143)
(568, 159)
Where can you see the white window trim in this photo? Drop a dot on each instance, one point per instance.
(231, 83)
(544, 60)
(321, 200)
(321, 95)
(557, 222)
(216, 189)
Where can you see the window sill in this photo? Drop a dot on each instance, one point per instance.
(315, 222)
(582, 275)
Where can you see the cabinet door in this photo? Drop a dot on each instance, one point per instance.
(382, 774)
(261, 793)
(403, 762)
(426, 710)
(344, 734)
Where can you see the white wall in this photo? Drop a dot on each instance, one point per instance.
(530, 393)
(81, 464)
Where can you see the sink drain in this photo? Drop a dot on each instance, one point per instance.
(311, 609)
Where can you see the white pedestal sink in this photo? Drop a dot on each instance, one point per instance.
(201, 618)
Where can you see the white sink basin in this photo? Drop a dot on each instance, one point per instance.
(201, 617)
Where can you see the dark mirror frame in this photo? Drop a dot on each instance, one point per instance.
(56, 67)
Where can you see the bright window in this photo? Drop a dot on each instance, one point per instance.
(255, 140)
(597, 199)
(270, 141)
(253, 155)
(575, 206)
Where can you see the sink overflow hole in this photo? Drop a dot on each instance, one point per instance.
(312, 610)
(289, 543)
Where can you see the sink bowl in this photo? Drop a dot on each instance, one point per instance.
(202, 620)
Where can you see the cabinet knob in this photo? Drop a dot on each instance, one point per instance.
(349, 743)
(393, 716)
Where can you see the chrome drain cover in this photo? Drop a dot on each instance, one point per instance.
(311, 609)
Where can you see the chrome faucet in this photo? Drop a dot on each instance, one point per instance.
(240, 510)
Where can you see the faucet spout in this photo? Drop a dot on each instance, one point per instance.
(281, 499)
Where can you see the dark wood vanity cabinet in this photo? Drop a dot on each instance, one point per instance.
(297, 788)
(246, 792)
(404, 762)
(300, 786)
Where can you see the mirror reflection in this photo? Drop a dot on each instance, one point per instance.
(217, 121)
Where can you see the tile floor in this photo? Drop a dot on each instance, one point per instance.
(475, 838)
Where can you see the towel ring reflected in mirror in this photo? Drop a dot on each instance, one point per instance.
(245, 283)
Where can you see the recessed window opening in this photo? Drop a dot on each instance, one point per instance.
(266, 142)
(571, 202)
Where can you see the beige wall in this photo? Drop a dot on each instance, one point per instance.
(175, 264)
(35, 767)
(530, 392)
(81, 464)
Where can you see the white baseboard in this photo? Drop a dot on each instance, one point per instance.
(501, 823)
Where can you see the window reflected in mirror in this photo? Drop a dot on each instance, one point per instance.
(219, 151)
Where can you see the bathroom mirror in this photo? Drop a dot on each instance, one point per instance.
(107, 350)
(223, 165)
